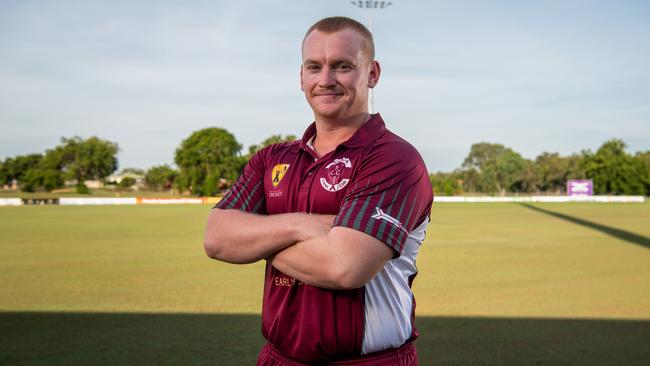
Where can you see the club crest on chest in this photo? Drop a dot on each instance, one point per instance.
(334, 175)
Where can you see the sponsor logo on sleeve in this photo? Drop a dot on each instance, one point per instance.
(333, 180)
(381, 215)
(278, 173)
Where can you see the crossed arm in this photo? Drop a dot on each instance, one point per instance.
(300, 245)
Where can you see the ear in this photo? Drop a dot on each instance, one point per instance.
(302, 84)
(373, 77)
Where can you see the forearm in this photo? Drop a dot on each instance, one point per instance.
(310, 262)
(342, 259)
(236, 236)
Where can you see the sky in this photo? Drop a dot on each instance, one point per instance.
(557, 76)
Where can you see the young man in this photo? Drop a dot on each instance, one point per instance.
(339, 216)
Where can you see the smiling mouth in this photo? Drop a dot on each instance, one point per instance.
(328, 94)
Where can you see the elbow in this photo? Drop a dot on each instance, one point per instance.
(216, 248)
(213, 250)
(343, 278)
(222, 252)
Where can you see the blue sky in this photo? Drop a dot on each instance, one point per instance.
(558, 76)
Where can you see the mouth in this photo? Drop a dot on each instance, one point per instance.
(330, 95)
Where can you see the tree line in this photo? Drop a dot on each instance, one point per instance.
(211, 159)
(208, 162)
(496, 169)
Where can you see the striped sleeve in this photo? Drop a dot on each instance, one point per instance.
(247, 194)
(389, 196)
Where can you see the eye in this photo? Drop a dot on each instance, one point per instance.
(344, 67)
(312, 67)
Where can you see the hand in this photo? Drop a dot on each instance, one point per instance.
(313, 225)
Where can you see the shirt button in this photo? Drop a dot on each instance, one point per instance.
(310, 173)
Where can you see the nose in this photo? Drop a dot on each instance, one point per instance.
(327, 78)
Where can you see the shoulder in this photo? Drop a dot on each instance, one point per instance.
(393, 151)
(273, 150)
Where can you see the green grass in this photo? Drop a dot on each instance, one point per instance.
(498, 284)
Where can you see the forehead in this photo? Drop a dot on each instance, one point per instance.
(345, 43)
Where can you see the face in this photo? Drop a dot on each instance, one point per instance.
(336, 74)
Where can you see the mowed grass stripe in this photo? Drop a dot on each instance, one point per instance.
(507, 260)
(118, 258)
(496, 260)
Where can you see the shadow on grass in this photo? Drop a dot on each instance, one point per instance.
(32, 338)
(627, 236)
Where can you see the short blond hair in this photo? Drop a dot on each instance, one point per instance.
(335, 24)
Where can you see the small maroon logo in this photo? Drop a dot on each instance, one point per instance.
(333, 180)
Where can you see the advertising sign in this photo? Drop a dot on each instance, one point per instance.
(580, 187)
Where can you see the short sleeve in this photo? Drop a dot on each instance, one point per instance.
(247, 194)
(389, 196)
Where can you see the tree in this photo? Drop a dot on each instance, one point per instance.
(160, 177)
(645, 158)
(127, 182)
(614, 171)
(205, 157)
(468, 179)
(4, 174)
(83, 160)
(446, 184)
(24, 169)
(274, 139)
(498, 168)
(551, 170)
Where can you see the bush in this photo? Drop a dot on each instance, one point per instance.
(127, 182)
(81, 188)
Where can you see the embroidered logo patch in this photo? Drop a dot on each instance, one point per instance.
(333, 180)
(278, 173)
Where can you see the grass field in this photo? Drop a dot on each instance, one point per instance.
(499, 284)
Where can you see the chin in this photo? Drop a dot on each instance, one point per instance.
(327, 111)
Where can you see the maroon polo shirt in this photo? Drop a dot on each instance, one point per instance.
(376, 183)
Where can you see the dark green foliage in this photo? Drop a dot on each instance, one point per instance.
(494, 168)
(446, 184)
(274, 139)
(4, 176)
(87, 159)
(81, 188)
(160, 177)
(127, 182)
(205, 157)
(24, 169)
(75, 158)
(551, 170)
(615, 171)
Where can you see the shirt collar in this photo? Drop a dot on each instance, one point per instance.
(368, 132)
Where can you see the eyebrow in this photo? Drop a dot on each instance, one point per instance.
(334, 62)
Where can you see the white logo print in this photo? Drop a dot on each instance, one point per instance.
(381, 215)
(580, 187)
(333, 171)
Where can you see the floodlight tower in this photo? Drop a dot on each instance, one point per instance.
(370, 5)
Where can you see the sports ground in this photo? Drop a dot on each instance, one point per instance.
(499, 284)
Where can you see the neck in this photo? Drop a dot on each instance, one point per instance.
(332, 132)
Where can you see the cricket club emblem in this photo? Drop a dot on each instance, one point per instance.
(278, 173)
(333, 180)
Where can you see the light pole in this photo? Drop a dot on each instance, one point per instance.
(371, 5)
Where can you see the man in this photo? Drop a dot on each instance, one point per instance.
(339, 217)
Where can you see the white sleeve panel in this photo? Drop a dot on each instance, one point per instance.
(389, 300)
